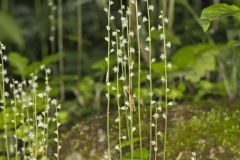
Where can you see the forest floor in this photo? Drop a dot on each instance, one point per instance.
(211, 129)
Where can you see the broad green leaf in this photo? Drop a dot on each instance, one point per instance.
(186, 57)
(51, 59)
(195, 60)
(127, 143)
(19, 62)
(10, 31)
(216, 12)
(137, 154)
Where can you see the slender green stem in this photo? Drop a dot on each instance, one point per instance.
(46, 115)
(57, 131)
(29, 129)
(139, 79)
(118, 103)
(107, 80)
(79, 32)
(131, 136)
(15, 121)
(166, 86)
(52, 19)
(164, 7)
(171, 14)
(60, 48)
(156, 133)
(36, 123)
(195, 16)
(150, 78)
(23, 122)
(4, 106)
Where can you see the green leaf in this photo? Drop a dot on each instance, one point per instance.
(195, 60)
(137, 154)
(51, 59)
(216, 12)
(19, 62)
(127, 143)
(10, 31)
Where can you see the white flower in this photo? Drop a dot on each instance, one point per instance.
(123, 108)
(169, 65)
(117, 147)
(153, 143)
(148, 39)
(166, 20)
(42, 67)
(132, 74)
(139, 13)
(111, 3)
(145, 19)
(4, 58)
(132, 50)
(48, 71)
(39, 118)
(163, 79)
(106, 39)
(170, 103)
(153, 29)
(148, 77)
(40, 95)
(159, 27)
(153, 102)
(105, 10)
(163, 56)
(147, 49)
(164, 115)
(169, 44)
(31, 135)
(131, 33)
(134, 129)
(151, 7)
(156, 115)
(118, 95)
(48, 88)
(122, 78)
(108, 84)
(162, 36)
(4, 72)
(6, 80)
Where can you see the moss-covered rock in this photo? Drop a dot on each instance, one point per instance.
(210, 129)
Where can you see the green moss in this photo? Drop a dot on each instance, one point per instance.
(212, 135)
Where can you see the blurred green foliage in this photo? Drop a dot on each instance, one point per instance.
(205, 39)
